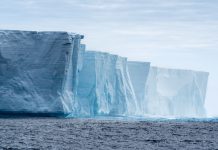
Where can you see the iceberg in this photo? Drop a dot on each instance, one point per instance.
(51, 73)
(177, 93)
(38, 71)
(138, 72)
(104, 86)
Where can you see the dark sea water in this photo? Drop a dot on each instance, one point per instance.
(53, 133)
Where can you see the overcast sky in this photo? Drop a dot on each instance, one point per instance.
(169, 33)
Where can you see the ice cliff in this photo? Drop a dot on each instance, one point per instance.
(177, 93)
(51, 73)
(104, 86)
(38, 71)
(138, 72)
(112, 86)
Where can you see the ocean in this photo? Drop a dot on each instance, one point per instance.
(101, 133)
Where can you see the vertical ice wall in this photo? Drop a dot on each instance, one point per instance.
(104, 86)
(179, 93)
(50, 72)
(38, 71)
(79, 66)
(138, 72)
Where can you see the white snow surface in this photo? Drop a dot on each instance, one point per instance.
(38, 71)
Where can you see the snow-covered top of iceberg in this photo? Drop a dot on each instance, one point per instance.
(24, 32)
(98, 54)
(180, 70)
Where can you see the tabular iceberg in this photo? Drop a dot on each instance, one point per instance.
(38, 71)
(104, 86)
(178, 93)
(51, 73)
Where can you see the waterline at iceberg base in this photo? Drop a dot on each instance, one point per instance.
(51, 73)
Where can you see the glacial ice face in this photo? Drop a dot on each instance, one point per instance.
(178, 93)
(138, 72)
(104, 86)
(51, 73)
(38, 71)
(109, 85)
